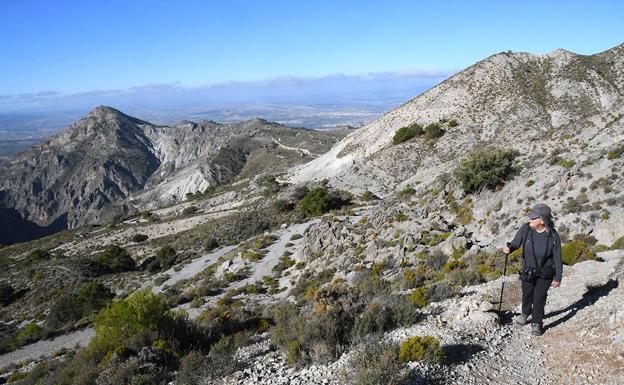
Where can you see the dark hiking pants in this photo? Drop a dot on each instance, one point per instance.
(534, 298)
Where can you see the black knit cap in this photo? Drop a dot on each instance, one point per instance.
(539, 210)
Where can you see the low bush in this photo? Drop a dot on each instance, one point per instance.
(116, 258)
(419, 297)
(418, 348)
(576, 251)
(368, 196)
(377, 363)
(314, 337)
(30, 333)
(433, 131)
(142, 319)
(618, 244)
(39, 254)
(319, 201)
(614, 154)
(408, 191)
(486, 168)
(166, 256)
(376, 318)
(406, 133)
(557, 160)
(88, 299)
(453, 123)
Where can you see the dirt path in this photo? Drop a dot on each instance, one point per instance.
(48, 347)
(583, 340)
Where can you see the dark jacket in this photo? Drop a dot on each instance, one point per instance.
(553, 251)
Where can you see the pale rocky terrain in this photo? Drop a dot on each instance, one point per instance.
(561, 111)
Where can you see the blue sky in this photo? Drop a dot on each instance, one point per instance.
(83, 45)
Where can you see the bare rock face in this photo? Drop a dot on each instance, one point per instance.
(80, 172)
(108, 164)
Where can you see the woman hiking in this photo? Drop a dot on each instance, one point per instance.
(542, 266)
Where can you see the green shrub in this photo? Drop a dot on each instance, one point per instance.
(614, 154)
(557, 160)
(400, 217)
(376, 318)
(486, 168)
(418, 348)
(194, 367)
(419, 297)
(453, 123)
(252, 255)
(317, 336)
(319, 201)
(453, 264)
(485, 272)
(576, 251)
(296, 236)
(166, 256)
(284, 263)
(30, 333)
(39, 254)
(142, 319)
(618, 244)
(406, 133)
(433, 131)
(408, 191)
(116, 258)
(86, 301)
(368, 196)
(377, 363)
(210, 243)
(530, 182)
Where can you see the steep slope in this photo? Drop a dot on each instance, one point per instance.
(508, 99)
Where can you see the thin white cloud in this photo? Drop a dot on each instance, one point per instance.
(284, 89)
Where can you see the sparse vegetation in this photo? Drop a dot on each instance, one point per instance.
(486, 168)
(406, 133)
(433, 131)
(319, 201)
(116, 258)
(377, 363)
(576, 251)
(418, 348)
(76, 305)
(166, 256)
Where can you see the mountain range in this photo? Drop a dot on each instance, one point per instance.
(109, 164)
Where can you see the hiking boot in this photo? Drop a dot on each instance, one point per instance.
(522, 319)
(536, 329)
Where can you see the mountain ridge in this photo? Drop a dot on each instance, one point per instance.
(93, 169)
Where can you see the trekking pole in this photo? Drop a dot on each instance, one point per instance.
(500, 301)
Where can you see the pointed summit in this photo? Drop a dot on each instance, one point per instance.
(107, 113)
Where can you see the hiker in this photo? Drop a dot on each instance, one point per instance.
(542, 266)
